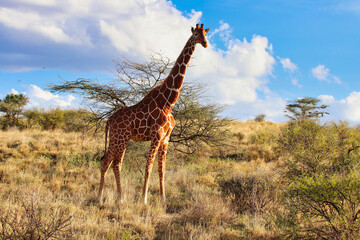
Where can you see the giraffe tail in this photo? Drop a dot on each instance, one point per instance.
(106, 136)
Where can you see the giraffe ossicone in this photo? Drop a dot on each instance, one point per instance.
(148, 120)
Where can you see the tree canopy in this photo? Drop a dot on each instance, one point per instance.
(305, 109)
(13, 105)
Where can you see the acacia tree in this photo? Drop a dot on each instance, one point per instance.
(197, 121)
(305, 109)
(13, 105)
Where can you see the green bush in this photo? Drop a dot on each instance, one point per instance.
(47, 120)
(265, 137)
(329, 206)
(310, 148)
(67, 120)
(322, 194)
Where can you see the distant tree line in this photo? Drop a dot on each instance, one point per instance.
(48, 119)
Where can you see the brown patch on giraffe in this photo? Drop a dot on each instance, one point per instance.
(155, 114)
(183, 69)
(190, 52)
(137, 123)
(146, 102)
(173, 96)
(178, 82)
(169, 82)
(143, 123)
(139, 115)
(187, 59)
(167, 92)
(155, 93)
(152, 105)
(175, 70)
(180, 59)
(119, 119)
(161, 101)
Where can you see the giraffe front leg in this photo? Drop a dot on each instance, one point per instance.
(161, 169)
(155, 143)
(161, 165)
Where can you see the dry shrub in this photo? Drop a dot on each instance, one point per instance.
(207, 211)
(249, 194)
(206, 217)
(35, 219)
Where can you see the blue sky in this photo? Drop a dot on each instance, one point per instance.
(261, 53)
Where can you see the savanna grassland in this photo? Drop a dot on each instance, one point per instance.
(270, 181)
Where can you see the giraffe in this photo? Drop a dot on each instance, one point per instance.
(148, 120)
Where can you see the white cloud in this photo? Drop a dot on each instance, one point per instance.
(89, 34)
(236, 74)
(336, 80)
(13, 91)
(46, 3)
(224, 30)
(352, 107)
(288, 65)
(157, 27)
(33, 22)
(347, 109)
(327, 99)
(295, 82)
(292, 68)
(40, 98)
(322, 73)
(272, 105)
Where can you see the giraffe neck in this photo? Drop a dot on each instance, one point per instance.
(171, 86)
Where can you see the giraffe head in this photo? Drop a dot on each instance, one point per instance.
(199, 34)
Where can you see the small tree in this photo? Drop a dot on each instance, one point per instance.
(197, 121)
(305, 109)
(259, 118)
(12, 106)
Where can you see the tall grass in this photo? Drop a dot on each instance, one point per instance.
(61, 172)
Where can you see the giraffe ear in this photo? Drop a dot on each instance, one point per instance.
(207, 30)
(192, 29)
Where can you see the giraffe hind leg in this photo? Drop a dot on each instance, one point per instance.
(117, 168)
(105, 164)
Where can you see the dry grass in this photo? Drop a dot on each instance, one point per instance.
(61, 170)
